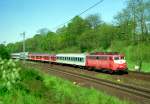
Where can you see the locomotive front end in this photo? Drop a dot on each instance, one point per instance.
(119, 63)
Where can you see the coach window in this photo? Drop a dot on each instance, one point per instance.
(97, 57)
(82, 59)
(104, 58)
(91, 57)
(79, 59)
(75, 58)
(100, 57)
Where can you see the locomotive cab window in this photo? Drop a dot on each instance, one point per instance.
(122, 57)
(116, 58)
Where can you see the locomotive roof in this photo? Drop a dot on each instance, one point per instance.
(105, 53)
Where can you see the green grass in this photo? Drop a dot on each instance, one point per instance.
(64, 90)
(38, 88)
(145, 66)
(103, 76)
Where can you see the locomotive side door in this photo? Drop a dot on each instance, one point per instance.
(98, 62)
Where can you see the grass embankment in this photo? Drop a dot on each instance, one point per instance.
(35, 87)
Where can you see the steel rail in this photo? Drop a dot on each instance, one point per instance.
(139, 91)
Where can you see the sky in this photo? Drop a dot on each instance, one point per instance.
(17, 16)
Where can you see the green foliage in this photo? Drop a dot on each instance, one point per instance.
(89, 41)
(94, 20)
(67, 90)
(4, 54)
(9, 73)
(45, 89)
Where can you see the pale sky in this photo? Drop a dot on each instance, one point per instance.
(17, 16)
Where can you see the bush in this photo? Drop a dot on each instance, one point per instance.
(4, 54)
(9, 73)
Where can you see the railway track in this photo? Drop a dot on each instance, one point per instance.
(138, 91)
(140, 74)
(127, 92)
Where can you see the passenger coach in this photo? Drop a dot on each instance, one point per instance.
(72, 59)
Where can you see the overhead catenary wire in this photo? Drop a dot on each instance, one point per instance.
(94, 5)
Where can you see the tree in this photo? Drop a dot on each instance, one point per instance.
(77, 26)
(4, 54)
(134, 16)
(94, 20)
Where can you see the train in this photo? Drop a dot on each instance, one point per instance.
(103, 61)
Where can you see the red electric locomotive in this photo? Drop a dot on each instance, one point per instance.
(108, 61)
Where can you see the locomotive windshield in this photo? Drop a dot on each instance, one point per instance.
(119, 58)
(116, 58)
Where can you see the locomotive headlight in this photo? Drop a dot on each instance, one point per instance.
(119, 61)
